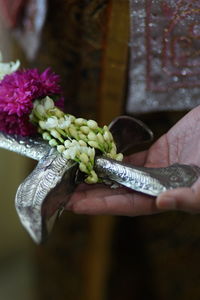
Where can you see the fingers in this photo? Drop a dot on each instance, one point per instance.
(98, 199)
(106, 201)
(183, 199)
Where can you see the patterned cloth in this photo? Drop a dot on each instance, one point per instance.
(164, 64)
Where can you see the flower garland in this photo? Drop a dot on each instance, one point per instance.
(32, 102)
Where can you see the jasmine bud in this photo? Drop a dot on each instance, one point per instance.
(83, 167)
(48, 103)
(92, 124)
(85, 129)
(53, 143)
(60, 148)
(93, 144)
(46, 136)
(84, 158)
(119, 157)
(80, 121)
(92, 136)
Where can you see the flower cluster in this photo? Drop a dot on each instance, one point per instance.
(27, 104)
(18, 90)
(75, 138)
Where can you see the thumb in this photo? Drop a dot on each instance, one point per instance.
(184, 199)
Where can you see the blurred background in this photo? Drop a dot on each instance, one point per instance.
(88, 258)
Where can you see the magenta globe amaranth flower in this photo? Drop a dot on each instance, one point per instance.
(18, 91)
(13, 124)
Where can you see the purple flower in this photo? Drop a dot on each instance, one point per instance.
(19, 89)
(12, 124)
(17, 93)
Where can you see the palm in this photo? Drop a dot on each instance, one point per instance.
(180, 145)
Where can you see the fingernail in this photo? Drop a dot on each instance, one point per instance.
(166, 203)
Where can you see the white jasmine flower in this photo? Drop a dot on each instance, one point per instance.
(80, 121)
(67, 143)
(35, 104)
(73, 132)
(91, 153)
(92, 136)
(93, 178)
(58, 113)
(113, 151)
(92, 124)
(64, 123)
(82, 137)
(84, 158)
(75, 143)
(46, 136)
(8, 68)
(60, 123)
(107, 136)
(52, 122)
(114, 146)
(72, 152)
(85, 129)
(93, 144)
(66, 154)
(82, 149)
(42, 124)
(40, 110)
(48, 103)
(55, 134)
(71, 117)
(119, 157)
(82, 143)
(83, 167)
(53, 143)
(100, 138)
(61, 148)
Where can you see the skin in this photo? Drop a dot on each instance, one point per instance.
(181, 144)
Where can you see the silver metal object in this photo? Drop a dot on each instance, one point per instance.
(151, 181)
(33, 148)
(43, 195)
(130, 134)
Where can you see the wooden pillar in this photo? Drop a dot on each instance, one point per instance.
(115, 58)
(110, 104)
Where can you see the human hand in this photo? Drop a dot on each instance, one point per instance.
(180, 145)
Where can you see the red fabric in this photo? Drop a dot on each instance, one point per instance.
(10, 11)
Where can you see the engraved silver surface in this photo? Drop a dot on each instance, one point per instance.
(44, 193)
(34, 148)
(151, 181)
